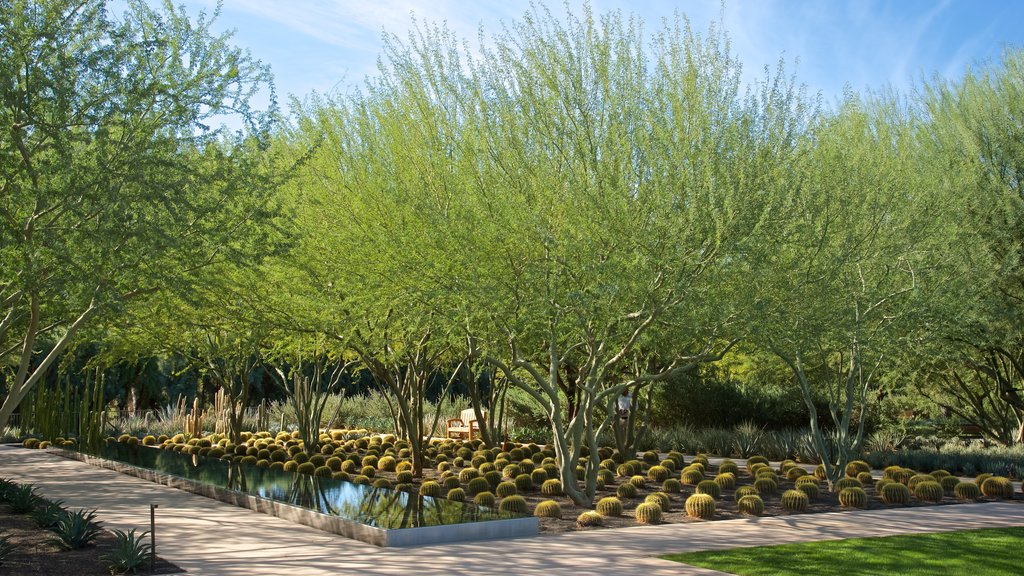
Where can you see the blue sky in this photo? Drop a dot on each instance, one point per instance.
(328, 45)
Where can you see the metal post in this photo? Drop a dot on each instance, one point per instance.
(152, 536)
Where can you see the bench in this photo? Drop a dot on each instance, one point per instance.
(465, 425)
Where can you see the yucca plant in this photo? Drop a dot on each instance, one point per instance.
(76, 529)
(131, 551)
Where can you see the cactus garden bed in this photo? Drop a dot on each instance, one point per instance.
(649, 489)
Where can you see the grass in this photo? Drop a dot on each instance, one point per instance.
(986, 552)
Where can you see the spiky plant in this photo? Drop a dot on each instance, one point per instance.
(929, 491)
(130, 552)
(514, 504)
(548, 509)
(626, 490)
(524, 483)
(847, 483)
(691, 476)
(700, 506)
(589, 519)
(795, 500)
(658, 473)
(610, 506)
(917, 479)
(638, 481)
(967, 491)
(982, 477)
(728, 466)
(672, 486)
(949, 483)
(895, 493)
(812, 490)
(477, 485)
(940, 474)
(76, 529)
(661, 499)
(430, 488)
(853, 497)
(766, 485)
(997, 487)
(457, 495)
(726, 481)
(648, 513)
(745, 491)
(485, 499)
(751, 504)
(552, 487)
(709, 487)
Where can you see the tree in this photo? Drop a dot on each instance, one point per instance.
(975, 136)
(562, 202)
(113, 185)
(846, 268)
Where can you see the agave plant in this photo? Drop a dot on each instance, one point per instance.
(47, 513)
(76, 529)
(21, 499)
(130, 552)
(6, 548)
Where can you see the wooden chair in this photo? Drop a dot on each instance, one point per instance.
(465, 425)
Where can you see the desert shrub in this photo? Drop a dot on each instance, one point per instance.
(750, 504)
(129, 553)
(700, 506)
(76, 529)
(610, 506)
(853, 497)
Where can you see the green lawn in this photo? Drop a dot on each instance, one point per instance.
(988, 552)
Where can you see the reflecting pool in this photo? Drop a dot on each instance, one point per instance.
(377, 507)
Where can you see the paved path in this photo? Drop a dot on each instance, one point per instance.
(207, 537)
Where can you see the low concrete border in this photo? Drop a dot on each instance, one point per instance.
(484, 530)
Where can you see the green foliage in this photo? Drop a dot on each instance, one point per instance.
(750, 504)
(648, 513)
(609, 506)
(76, 529)
(700, 506)
(853, 497)
(130, 552)
(21, 499)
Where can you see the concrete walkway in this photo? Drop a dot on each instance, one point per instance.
(207, 537)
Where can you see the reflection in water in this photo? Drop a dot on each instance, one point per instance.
(379, 507)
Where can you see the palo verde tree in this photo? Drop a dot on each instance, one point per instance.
(845, 269)
(975, 135)
(559, 197)
(112, 185)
